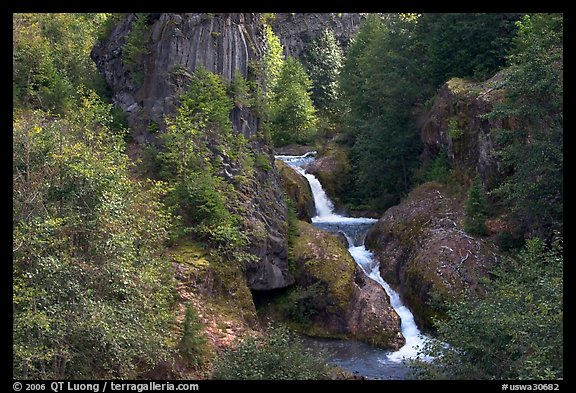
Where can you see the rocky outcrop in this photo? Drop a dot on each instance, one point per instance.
(297, 30)
(455, 123)
(333, 297)
(425, 254)
(178, 44)
(172, 46)
(370, 316)
(332, 168)
(297, 188)
(264, 210)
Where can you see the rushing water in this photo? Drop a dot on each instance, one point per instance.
(360, 358)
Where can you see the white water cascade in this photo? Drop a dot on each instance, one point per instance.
(326, 218)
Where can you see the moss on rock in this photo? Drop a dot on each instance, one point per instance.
(220, 296)
(332, 297)
(297, 188)
(424, 252)
(333, 170)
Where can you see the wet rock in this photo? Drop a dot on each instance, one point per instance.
(335, 296)
(298, 190)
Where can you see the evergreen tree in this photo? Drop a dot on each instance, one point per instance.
(323, 61)
(476, 209)
(292, 113)
(273, 60)
(463, 44)
(379, 84)
(530, 149)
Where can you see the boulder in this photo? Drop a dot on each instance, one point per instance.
(333, 297)
(297, 188)
(332, 168)
(425, 254)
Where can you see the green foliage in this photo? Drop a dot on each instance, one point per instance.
(530, 149)
(91, 294)
(193, 342)
(300, 303)
(198, 195)
(292, 114)
(135, 50)
(279, 356)
(323, 61)
(463, 44)
(51, 58)
(454, 132)
(272, 62)
(379, 83)
(242, 91)
(476, 209)
(514, 331)
(439, 169)
(262, 161)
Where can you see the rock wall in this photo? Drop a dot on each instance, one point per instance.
(176, 45)
(424, 253)
(456, 123)
(297, 30)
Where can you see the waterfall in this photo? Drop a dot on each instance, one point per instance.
(327, 219)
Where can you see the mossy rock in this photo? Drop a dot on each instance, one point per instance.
(321, 256)
(333, 170)
(217, 289)
(332, 297)
(297, 188)
(425, 254)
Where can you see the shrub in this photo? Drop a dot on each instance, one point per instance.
(280, 355)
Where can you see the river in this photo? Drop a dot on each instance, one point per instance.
(359, 358)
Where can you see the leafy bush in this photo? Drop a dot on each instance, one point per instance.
(280, 355)
(92, 293)
(193, 342)
(514, 331)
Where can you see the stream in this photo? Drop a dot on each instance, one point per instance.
(357, 357)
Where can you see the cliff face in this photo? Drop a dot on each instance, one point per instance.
(172, 47)
(297, 30)
(177, 44)
(455, 123)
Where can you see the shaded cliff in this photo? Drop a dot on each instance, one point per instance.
(297, 30)
(170, 47)
(424, 252)
(456, 123)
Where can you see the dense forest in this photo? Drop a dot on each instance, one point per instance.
(97, 214)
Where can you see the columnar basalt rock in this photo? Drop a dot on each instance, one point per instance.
(175, 45)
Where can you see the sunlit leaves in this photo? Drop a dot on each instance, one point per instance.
(91, 294)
